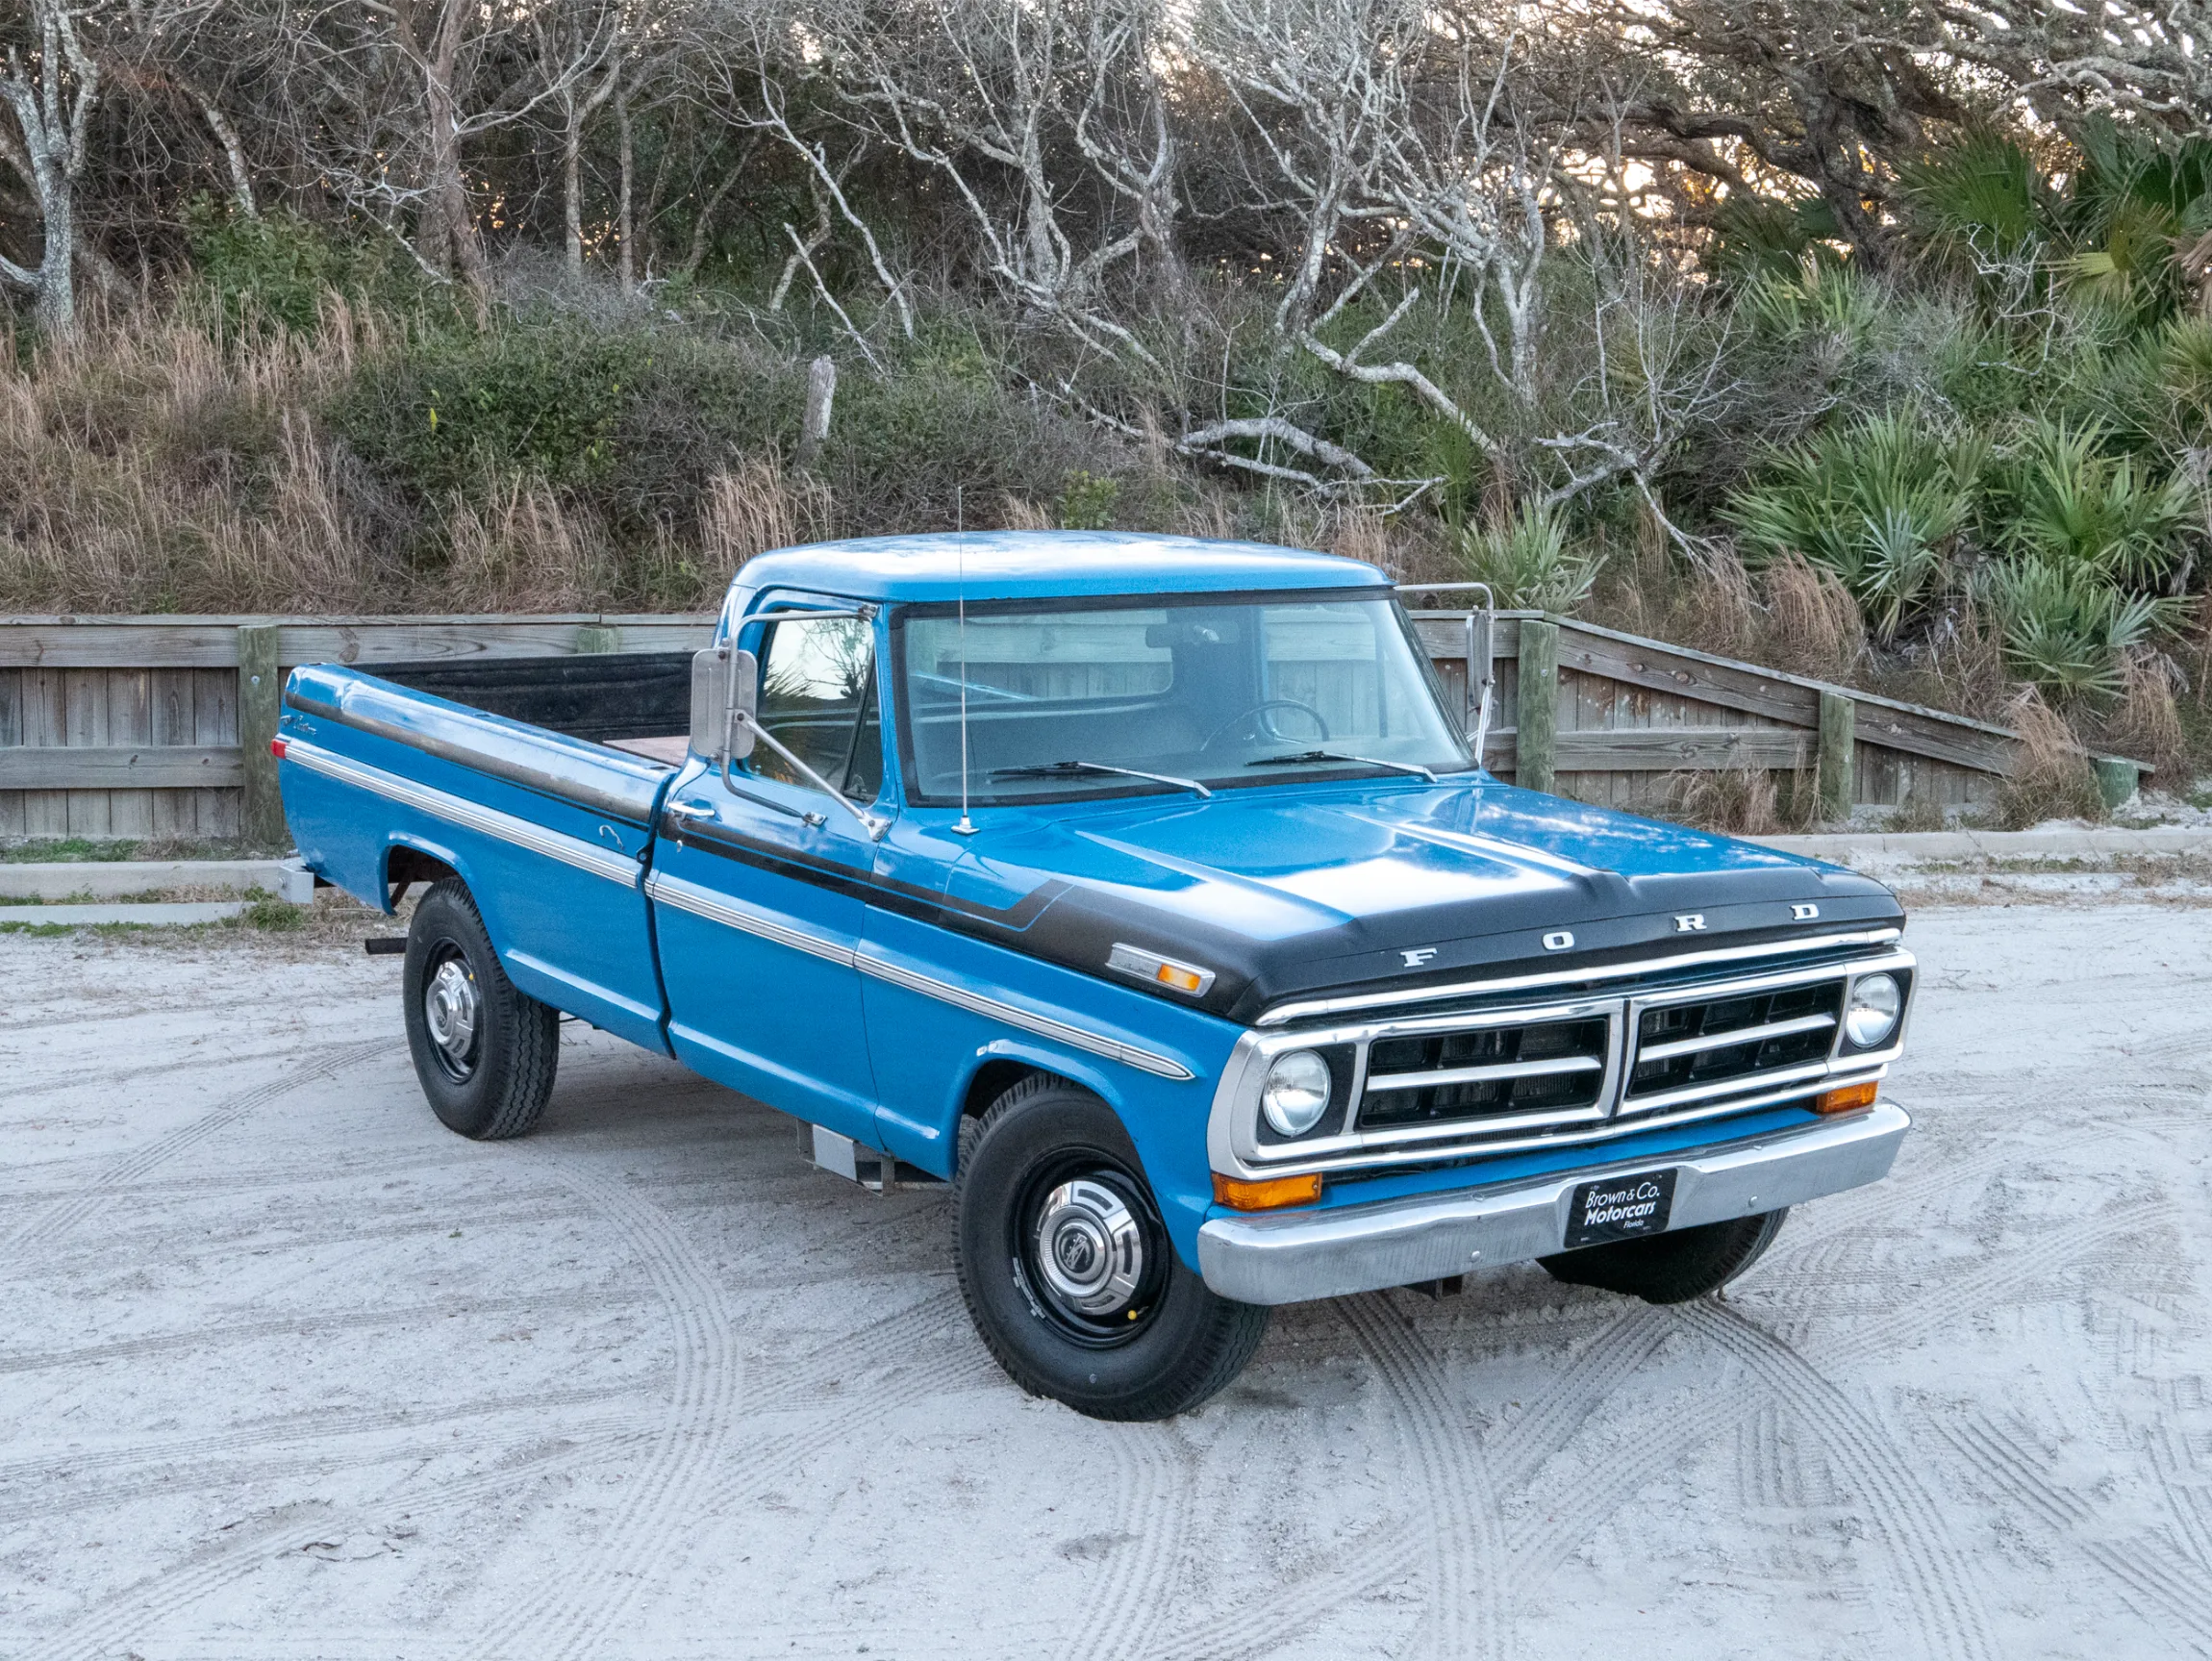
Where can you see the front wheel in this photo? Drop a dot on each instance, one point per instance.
(485, 1052)
(1067, 1269)
(1672, 1268)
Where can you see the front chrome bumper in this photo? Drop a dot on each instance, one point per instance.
(1292, 1256)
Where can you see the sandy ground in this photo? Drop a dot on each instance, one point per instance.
(288, 1371)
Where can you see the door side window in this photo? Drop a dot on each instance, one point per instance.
(818, 697)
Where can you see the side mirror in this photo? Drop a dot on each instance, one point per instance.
(724, 683)
(1481, 669)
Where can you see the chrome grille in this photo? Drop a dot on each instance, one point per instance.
(1423, 1086)
(1541, 1066)
(1706, 1047)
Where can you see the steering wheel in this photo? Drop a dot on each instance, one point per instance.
(1263, 728)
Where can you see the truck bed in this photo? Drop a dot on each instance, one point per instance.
(519, 776)
(635, 701)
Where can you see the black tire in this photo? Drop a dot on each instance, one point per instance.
(1157, 1342)
(1672, 1268)
(492, 1083)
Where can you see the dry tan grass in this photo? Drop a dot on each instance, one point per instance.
(757, 506)
(521, 550)
(1739, 800)
(1021, 513)
(1363, 534)
(2147, 723)
(1812, 624)
(2051, 777)
(155, 466)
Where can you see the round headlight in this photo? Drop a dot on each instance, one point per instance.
(1296, 1093)
(1873, 1016)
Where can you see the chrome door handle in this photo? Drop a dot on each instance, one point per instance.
(689, 810)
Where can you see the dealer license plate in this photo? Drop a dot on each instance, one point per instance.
(1619, 1208)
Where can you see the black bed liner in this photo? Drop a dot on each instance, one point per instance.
(596, 696)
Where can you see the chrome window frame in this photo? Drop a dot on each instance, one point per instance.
(1232, 1134)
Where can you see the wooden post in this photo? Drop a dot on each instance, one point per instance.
(261, 684)
(814, 425)
(1839, 729)
(598, 637)
(1535, 724)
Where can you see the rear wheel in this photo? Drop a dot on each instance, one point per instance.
(1067, 1269)
(1672, 1268)
(485, 1052)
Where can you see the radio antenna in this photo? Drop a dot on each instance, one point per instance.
(966, 826)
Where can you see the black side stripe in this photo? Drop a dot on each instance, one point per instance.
(887, 893)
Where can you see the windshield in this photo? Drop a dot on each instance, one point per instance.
(1066, 699)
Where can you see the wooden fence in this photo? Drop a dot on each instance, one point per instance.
(134, 727)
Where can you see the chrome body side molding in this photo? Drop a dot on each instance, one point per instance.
(583, 856)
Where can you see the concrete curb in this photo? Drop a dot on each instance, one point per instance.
(86, 916)
(1918, 847)
(109, 879)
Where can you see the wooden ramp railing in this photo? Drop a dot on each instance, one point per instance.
(135, 727)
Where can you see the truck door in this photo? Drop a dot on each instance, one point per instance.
(757, 884)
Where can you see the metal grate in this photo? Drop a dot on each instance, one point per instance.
(1556, 1066)
(1694, 1048)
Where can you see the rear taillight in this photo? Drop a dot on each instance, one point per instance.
(276, 748)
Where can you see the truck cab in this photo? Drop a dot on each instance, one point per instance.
(1149, 891)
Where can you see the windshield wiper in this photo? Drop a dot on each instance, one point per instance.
(1050, 770)
(1336, 755)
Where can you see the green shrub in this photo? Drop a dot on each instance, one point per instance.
(1526, 561)
(630, 421)
(1087, 502)
(2065, 627)
(2066, 500)
(1877, 501)
(281, 266)
(904, 443)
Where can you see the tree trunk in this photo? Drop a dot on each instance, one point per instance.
(451, 232)
(57, 265)
(625, 228)
(572, 187)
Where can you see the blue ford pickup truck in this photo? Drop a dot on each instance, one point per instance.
(1149, 891)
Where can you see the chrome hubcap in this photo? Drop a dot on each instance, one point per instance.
(450, 1009)
(1089, 1247)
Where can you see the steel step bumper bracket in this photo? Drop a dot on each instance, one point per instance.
(1294, 1256)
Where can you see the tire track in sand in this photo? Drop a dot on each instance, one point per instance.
(2155, 1581)
(569, 1615)
(1152, 1465)
(1516, 1452)
(58, 1218)
(1951, 1620)
(126, 1617)
(96, 1476)
(1466, 1545)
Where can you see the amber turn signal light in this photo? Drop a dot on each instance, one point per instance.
(1849, 1100)
(1269, 1193)
(1182, 979)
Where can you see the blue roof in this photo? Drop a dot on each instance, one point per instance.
(1024, 565)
